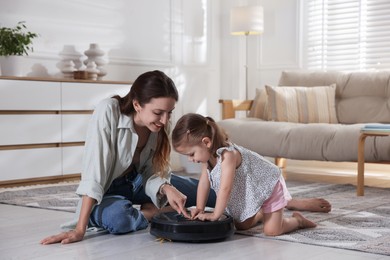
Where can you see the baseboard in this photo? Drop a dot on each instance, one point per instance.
(42, 180)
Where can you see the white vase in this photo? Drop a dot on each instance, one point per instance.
(94, 50)
(92, 70)
(102, 72)
(11, 66)
(100, 66)
(95, 54)
(68, 69)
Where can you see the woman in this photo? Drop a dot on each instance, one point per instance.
(126, 162)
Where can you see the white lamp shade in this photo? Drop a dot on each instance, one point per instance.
(247, 20)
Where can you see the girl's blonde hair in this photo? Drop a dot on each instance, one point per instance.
(192, 128)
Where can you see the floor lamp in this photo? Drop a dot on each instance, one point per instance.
(246, 20)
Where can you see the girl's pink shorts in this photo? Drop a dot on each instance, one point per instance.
(279, 198)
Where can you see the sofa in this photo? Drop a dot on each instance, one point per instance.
(315, 115)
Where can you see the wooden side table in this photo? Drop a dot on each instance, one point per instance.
(363, 134)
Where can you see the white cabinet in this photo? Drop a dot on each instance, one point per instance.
(43, 123)
(72, 159)
(74, 127)
(30, 129)
(86, 96)
(19, 164)
(29, 95)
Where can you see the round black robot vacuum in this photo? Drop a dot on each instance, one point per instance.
(175, 227)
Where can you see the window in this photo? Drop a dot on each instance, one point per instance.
(346, 35)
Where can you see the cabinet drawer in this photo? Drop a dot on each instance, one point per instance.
(30, 163)
(74, 127)
(29, 95)
(72, 159)
(30, 129)
(85, 96)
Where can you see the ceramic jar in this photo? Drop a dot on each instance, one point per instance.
(68, 69)
(92, 70)
(95, 54)
(100, 66)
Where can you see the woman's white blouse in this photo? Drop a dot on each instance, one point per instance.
(109, 148)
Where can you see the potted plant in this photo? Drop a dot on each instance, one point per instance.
(14, 42)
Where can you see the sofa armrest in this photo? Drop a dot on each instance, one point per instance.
(230, 106)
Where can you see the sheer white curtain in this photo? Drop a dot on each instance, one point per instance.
(346, 35)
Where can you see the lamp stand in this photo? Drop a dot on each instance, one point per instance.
(246, 20)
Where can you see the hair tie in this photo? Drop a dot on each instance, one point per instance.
(207, 122)
(188, 131)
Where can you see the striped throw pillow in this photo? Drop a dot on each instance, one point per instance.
(302, 104)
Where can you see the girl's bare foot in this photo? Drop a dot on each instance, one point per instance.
(259, 216)
(312, 204)
(303, 222)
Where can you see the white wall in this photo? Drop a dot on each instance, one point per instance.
(188, 39)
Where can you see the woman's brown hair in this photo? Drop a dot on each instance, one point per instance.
(192, 128)
(149, 85)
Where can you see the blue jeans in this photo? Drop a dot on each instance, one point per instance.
(116, 213)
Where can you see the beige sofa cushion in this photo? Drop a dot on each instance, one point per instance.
(312, 78)
(361, 97)
(365, 98)
(302, 104)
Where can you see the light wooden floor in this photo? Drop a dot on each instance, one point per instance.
(376, 175)
(21, 229)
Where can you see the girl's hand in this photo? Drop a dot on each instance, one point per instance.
(195, 212)
(207, 216)
(64, 237)
(176, 199)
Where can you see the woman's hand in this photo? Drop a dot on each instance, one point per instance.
(176, 199)
(211, 216)
(64, 237)
(78, 233)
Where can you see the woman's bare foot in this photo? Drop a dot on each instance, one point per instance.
(312, 204)
(149, 210)
(166, 209)
(303, 222)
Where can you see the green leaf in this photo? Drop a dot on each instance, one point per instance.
(16, 41)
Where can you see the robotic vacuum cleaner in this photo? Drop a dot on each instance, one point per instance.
(175, 227)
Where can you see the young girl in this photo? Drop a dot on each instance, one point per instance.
(248, 186)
